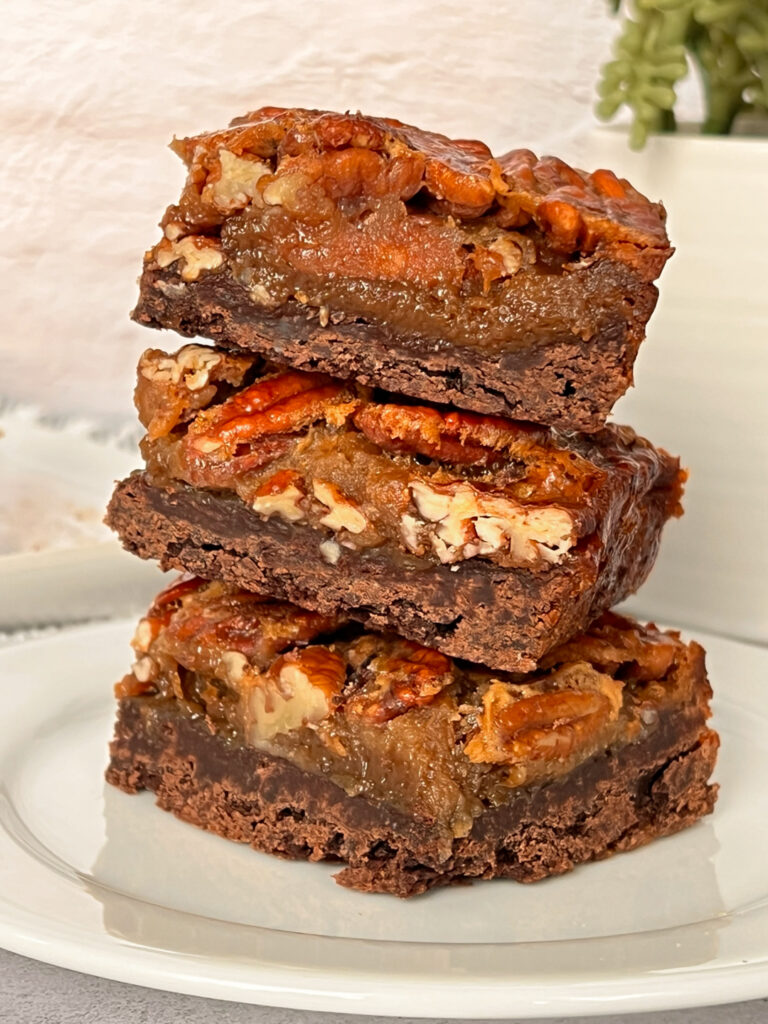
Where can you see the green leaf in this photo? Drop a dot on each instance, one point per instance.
(638, 135)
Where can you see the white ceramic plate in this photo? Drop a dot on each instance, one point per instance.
(102, 882)
(58, 562)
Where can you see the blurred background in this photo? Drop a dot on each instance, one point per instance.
(92, 92)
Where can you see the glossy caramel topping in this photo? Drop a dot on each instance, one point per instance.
(366, 470)
(350, 156)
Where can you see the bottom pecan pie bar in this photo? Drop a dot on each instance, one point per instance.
(307, 736)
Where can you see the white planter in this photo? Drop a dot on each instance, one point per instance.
(702, 374)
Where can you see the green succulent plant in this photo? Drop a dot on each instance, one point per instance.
(726, 41)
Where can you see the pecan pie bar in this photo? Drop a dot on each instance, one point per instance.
(486, 538)
(306, 736)
(366, 248)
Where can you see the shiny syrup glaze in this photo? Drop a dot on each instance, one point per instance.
(260, 433)
(365, 217)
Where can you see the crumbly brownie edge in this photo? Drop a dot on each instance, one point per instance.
(567, 382)
(616, 801)
(506, 619)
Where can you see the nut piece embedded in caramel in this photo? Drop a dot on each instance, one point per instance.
(545, 722)
(342, 514)
(171, 389)
(196, 252)
(468, 522)
(191, 365)
(236, 185)
(298, 690)
(281, 495)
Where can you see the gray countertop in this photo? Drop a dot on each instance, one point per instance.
(35, 993)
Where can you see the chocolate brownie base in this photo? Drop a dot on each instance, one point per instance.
(561, 380)
(502, 618)
(616, 801)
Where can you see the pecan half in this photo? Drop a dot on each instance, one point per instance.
(394, 676)
(299, 689)
(462, 438)
(322, 667)
(615, 644)
(531, 458)
(549, 725)
(254, 426)
(221, 621)
(273, 405)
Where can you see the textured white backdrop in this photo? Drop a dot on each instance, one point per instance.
(92, 91)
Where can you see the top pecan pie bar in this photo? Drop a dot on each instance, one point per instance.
(367, 248)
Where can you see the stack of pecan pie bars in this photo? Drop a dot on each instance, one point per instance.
(400, 514)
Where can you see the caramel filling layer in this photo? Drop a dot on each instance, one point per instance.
(432, 484)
